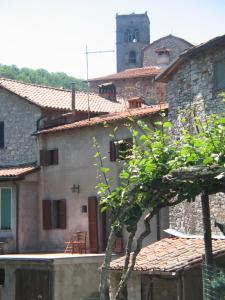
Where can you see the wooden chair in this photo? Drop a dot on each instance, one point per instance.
(77, 244)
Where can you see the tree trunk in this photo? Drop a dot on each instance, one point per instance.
(207, 228)
(104, 287)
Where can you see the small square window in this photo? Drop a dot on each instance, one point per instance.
(120, 149)
(84, 209)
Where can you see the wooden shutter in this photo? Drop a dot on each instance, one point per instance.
(118, 248)
(62, 213)
(44, 159)
(112, 151)
(55, 157)
(6, 208)
(2, 142)
(47, 214)
(219, 70)
(93, 224)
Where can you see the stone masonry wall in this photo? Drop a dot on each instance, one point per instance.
(20, 119)
(146, 88)
(193, 86)
(176, 46)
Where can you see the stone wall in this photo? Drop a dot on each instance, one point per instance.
(146, 88)
(192, 86)
(176, 46)
(131, 22)
(20, 119)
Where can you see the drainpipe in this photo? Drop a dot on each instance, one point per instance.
(158, 226)
(73, 97)
(17, 215)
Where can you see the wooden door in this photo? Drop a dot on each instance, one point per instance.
(33, 284)
(93, 224)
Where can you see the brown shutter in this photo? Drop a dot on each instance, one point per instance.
(55, 157)
(118, 245)
(47, 214)
(112, 151)
(62, 213)
(44, 157)
(92, 224)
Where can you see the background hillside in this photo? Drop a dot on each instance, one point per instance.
(42, 77)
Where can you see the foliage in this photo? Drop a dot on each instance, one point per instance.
(41, 77)
(144, 183)
(155, 155)
(218, 284)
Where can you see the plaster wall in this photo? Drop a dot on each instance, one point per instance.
(28, 216)
(74, 277)
(193, 86)
(25, 197)
(20, 119)
(76, 159)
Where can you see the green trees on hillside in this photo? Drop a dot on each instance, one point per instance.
(42, 77)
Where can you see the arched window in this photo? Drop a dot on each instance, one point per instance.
(136, 36)
(132, 57)
(127, 36)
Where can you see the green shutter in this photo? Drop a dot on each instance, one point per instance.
(5, 208)
(220, 74)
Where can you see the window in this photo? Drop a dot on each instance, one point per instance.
(132, 57)
(120, 149)
(5, 202)
(2, 276)
(2, 142)
(54, 214)
(219, 74)
(131, 36)
(49, 157)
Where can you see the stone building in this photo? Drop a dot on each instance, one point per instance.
(163, 51)
(168, 269)
(132, 34)
(195, 80)
(131, 83)
(24, 108)
(70, 180)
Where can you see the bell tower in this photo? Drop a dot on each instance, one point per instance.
(132, 34)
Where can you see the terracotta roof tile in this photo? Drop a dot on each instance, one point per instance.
(113, 117)
(131, 73)
(48, 97)
(171, 255)
(17, 171)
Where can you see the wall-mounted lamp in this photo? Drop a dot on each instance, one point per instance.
(75, 188)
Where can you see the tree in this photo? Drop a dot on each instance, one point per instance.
(160, 172)
(42, 77)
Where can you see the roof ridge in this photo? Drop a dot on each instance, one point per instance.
(32, 84)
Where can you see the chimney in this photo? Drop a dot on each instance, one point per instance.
(135, 102)
(73, 96)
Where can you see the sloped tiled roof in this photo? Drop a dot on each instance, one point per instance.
(16, 172)
(110, 118)
(131, 73)
(48, 97)
(171, 255)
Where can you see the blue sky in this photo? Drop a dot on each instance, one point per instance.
(52, 34)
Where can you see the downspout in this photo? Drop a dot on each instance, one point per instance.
(158, 226)
(180, 286)
(17, 215)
